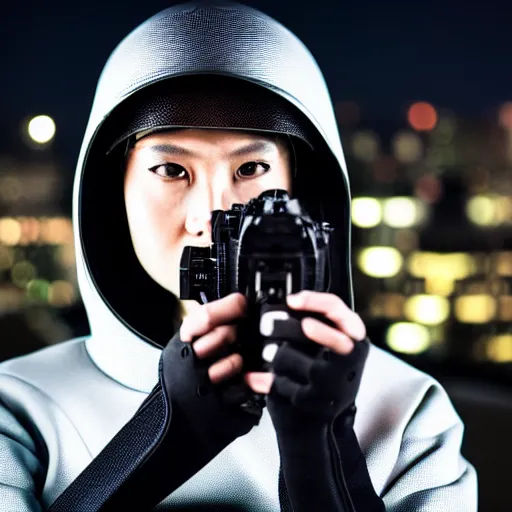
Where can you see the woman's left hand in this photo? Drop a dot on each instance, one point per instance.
(348, 329)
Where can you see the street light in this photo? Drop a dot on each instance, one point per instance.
(41, 129)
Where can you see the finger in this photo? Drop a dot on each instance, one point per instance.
(225, 368)
(209, 344)
(259, 382)
(332, 307)
(285, 388)
(292, 363)
(327, 336)
(208, 316)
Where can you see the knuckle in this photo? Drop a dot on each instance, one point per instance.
(222, 333)
(207, 321)
(235, 362)
(240, 303)
(230, 333)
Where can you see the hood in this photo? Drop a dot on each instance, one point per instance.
(208, 42)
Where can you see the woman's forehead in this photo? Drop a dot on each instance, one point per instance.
(223, 140)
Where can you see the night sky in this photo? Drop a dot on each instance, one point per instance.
(380, 54)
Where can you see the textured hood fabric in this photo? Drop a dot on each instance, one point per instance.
(213, 52)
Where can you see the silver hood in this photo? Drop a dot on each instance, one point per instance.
(197, 39)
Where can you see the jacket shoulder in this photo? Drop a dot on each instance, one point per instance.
(55, 364)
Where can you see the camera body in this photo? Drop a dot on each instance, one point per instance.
(266, 250)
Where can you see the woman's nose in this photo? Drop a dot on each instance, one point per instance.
(198, 220)
(200, 207)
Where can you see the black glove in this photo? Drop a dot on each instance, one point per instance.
(182, 425)
(213, 415)
(312, 406)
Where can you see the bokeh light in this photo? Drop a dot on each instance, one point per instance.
(365, 146)
(408, 338)
(403, 212)
(407, 147)
(57, 230)
(22, 273)
(499, 348)
(41, 129)
(503, 263)
(10, 231)
(443, 286)
(447, 266)
(37, 290)
(489, 210)
(380, 261)
(366, 212)
(428, 188)
(61, 294)
(422, 116)
(475, 308)
(427, 309)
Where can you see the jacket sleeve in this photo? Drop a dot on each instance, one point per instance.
(180, 427)
(430, 473)
(22, 471)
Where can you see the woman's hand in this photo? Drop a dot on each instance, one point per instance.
(211, 331)
(349, 329)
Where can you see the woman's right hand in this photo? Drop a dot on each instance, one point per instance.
(202, 379)
(211, 330)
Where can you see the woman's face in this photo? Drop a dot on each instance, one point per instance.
(174, 180)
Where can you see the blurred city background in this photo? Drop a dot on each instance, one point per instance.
(423, 99)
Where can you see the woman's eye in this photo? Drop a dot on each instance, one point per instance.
(174, 171)
(252, 169)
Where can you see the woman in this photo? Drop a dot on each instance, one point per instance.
(203, 106)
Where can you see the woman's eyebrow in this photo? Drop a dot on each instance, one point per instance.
(253, 147)
(171, 149)
(257, 146)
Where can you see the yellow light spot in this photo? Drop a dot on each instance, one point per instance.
(482, 210)
(10, 231)
(41, 129)
(408, 338)
(380, 261)
(453, 266)
(61, 294)
(439, 286)
(366, 212)
(403, 212)
(499, 348)
(427, 309)
(475, 309)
